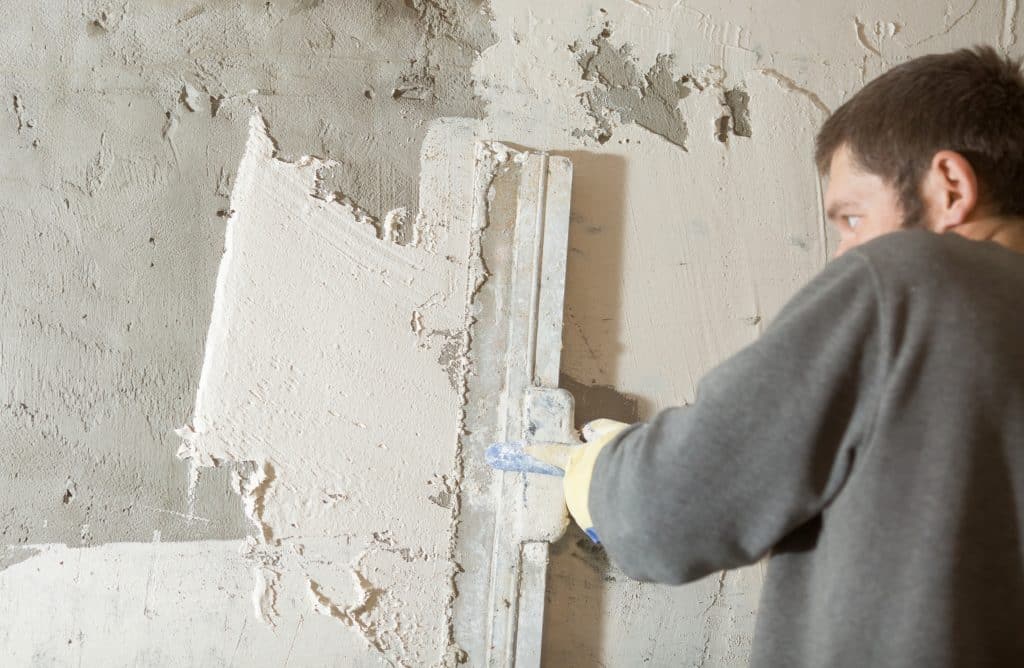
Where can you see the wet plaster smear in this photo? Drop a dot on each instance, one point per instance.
(177, 261)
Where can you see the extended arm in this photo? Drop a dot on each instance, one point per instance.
(768, 442)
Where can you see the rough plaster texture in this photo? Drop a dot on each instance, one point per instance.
(320, 329)
(125, 124)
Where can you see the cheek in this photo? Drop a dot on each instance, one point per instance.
(876, 226)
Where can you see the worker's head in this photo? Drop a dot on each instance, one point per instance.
(936, 143)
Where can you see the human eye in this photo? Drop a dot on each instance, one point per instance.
(852, 221)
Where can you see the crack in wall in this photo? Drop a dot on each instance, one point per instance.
(949, 23)
(786, 83)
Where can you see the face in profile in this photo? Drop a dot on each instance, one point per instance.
(859, 204)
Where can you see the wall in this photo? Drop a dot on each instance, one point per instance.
(695, 214)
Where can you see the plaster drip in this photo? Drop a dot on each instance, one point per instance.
(353, 615)
(863, 38)
(1008, 37)
(264, 594)
(724, 34)
(252, 488)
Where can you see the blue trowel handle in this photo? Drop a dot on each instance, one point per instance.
(510, 456)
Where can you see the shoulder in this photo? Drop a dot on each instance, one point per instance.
(916, 253)
(921, 260)
(879, 271)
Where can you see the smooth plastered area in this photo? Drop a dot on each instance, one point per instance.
(239, 299)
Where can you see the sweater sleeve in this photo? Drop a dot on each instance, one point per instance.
(767, 443)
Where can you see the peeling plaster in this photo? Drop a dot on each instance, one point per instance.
(738, 101)
(622, 94)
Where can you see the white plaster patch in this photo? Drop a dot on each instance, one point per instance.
(346, 415)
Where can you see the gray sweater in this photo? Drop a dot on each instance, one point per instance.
(871, 441)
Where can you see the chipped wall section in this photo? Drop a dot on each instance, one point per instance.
(622, 94)
(322, 370)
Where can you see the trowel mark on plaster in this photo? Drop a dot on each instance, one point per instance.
(15, 555)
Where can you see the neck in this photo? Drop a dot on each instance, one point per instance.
(1007, 232)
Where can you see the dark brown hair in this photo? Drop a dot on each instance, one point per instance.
(970, 101)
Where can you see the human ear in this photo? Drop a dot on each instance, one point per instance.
(949, 191)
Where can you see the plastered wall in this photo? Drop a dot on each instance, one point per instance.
(695, 215)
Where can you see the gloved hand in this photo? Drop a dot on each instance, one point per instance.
(579, 467)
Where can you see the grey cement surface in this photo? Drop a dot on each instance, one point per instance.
(123, 124)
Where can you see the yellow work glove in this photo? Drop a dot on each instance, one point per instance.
(579, 467)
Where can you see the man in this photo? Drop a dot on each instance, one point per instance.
(871, 441)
